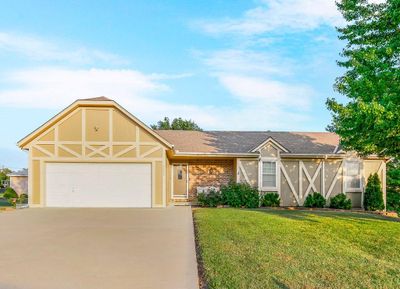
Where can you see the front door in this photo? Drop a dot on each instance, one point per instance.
(180, 180)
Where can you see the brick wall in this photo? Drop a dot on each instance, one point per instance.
(209, 173)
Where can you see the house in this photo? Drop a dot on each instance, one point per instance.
(95, 153)
(19, 181)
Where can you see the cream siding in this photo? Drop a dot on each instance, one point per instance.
(96, 134)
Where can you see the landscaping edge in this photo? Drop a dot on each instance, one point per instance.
(200, 265)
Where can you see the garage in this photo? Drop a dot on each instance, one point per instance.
(98, 185)
(96, 154)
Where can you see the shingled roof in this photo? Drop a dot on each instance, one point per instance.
(245, 141)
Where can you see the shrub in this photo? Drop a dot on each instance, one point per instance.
(240, 195)
(393, 201)
(23, 199)
(373, 197)
(340, 202)
(212, 199)
(270, 200)
(315, 200)
(10, 194)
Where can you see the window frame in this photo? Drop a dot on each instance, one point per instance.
(277, 179)
(347, 177)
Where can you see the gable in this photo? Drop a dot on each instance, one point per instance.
(93, 122)
(270, 148)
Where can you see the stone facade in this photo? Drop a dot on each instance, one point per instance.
(204, 173)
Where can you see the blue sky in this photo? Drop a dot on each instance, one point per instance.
(228, 65)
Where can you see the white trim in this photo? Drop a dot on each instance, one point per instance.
(270, 140)
(384, 182)
(187, 181)
(300, 182)
(290, 184)
(335, 179)
(310, 179)
(150, 151)
(345, 176)
(84, 103)
(110, 132)
(260, 169)
(218, 155)
(241, 169)
(323, 179)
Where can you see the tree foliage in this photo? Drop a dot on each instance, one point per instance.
(393, 186)
(373, 197)
(3, 174)
(176, 124)
(370, 121)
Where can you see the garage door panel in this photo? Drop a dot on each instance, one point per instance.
(98, 185)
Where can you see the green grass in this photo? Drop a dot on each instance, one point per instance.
(297, 249)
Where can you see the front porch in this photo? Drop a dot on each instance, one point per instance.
(190, 176)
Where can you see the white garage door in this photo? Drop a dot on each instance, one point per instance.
(98, 185)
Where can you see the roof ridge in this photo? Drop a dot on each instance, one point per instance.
(246, 131)
(98, 98)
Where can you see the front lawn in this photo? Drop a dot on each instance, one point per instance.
(297, 249)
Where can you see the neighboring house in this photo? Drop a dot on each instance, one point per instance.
(19, 181)
(96, 154)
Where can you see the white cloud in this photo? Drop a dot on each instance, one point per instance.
(275, 15)
(56, 87)
(42, 50)
(247, 61)
(142, 94)
(266, 92)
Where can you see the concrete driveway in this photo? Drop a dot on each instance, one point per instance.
(97, 248)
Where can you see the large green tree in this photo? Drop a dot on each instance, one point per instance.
(176, 124)
(393, 186)
(370, 121)
(3, 175)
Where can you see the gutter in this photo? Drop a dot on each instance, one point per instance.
(324, 156)
(214, 155)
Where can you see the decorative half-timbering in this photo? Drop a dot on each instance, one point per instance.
(95, 153)
(96, 134)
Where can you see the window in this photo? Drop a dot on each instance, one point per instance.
(269, 174)
(353, 175)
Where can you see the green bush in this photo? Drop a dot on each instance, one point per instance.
(10, 194)
(373, 197)
(212, 199)
(23, 199)
(393, 201)
(4, 203)
(270, 200)
(315, 200)
(240, 195)
(340, 202)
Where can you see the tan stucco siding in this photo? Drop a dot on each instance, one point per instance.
(158, 183)
(305, 176)
(371, 167)
(269, 151)
(287, 194)
(168, 169)
(35, 173)
(247, 171)
(375, 166)
(94, 134)
(19, 184)
(70, 128)
(333, 178)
